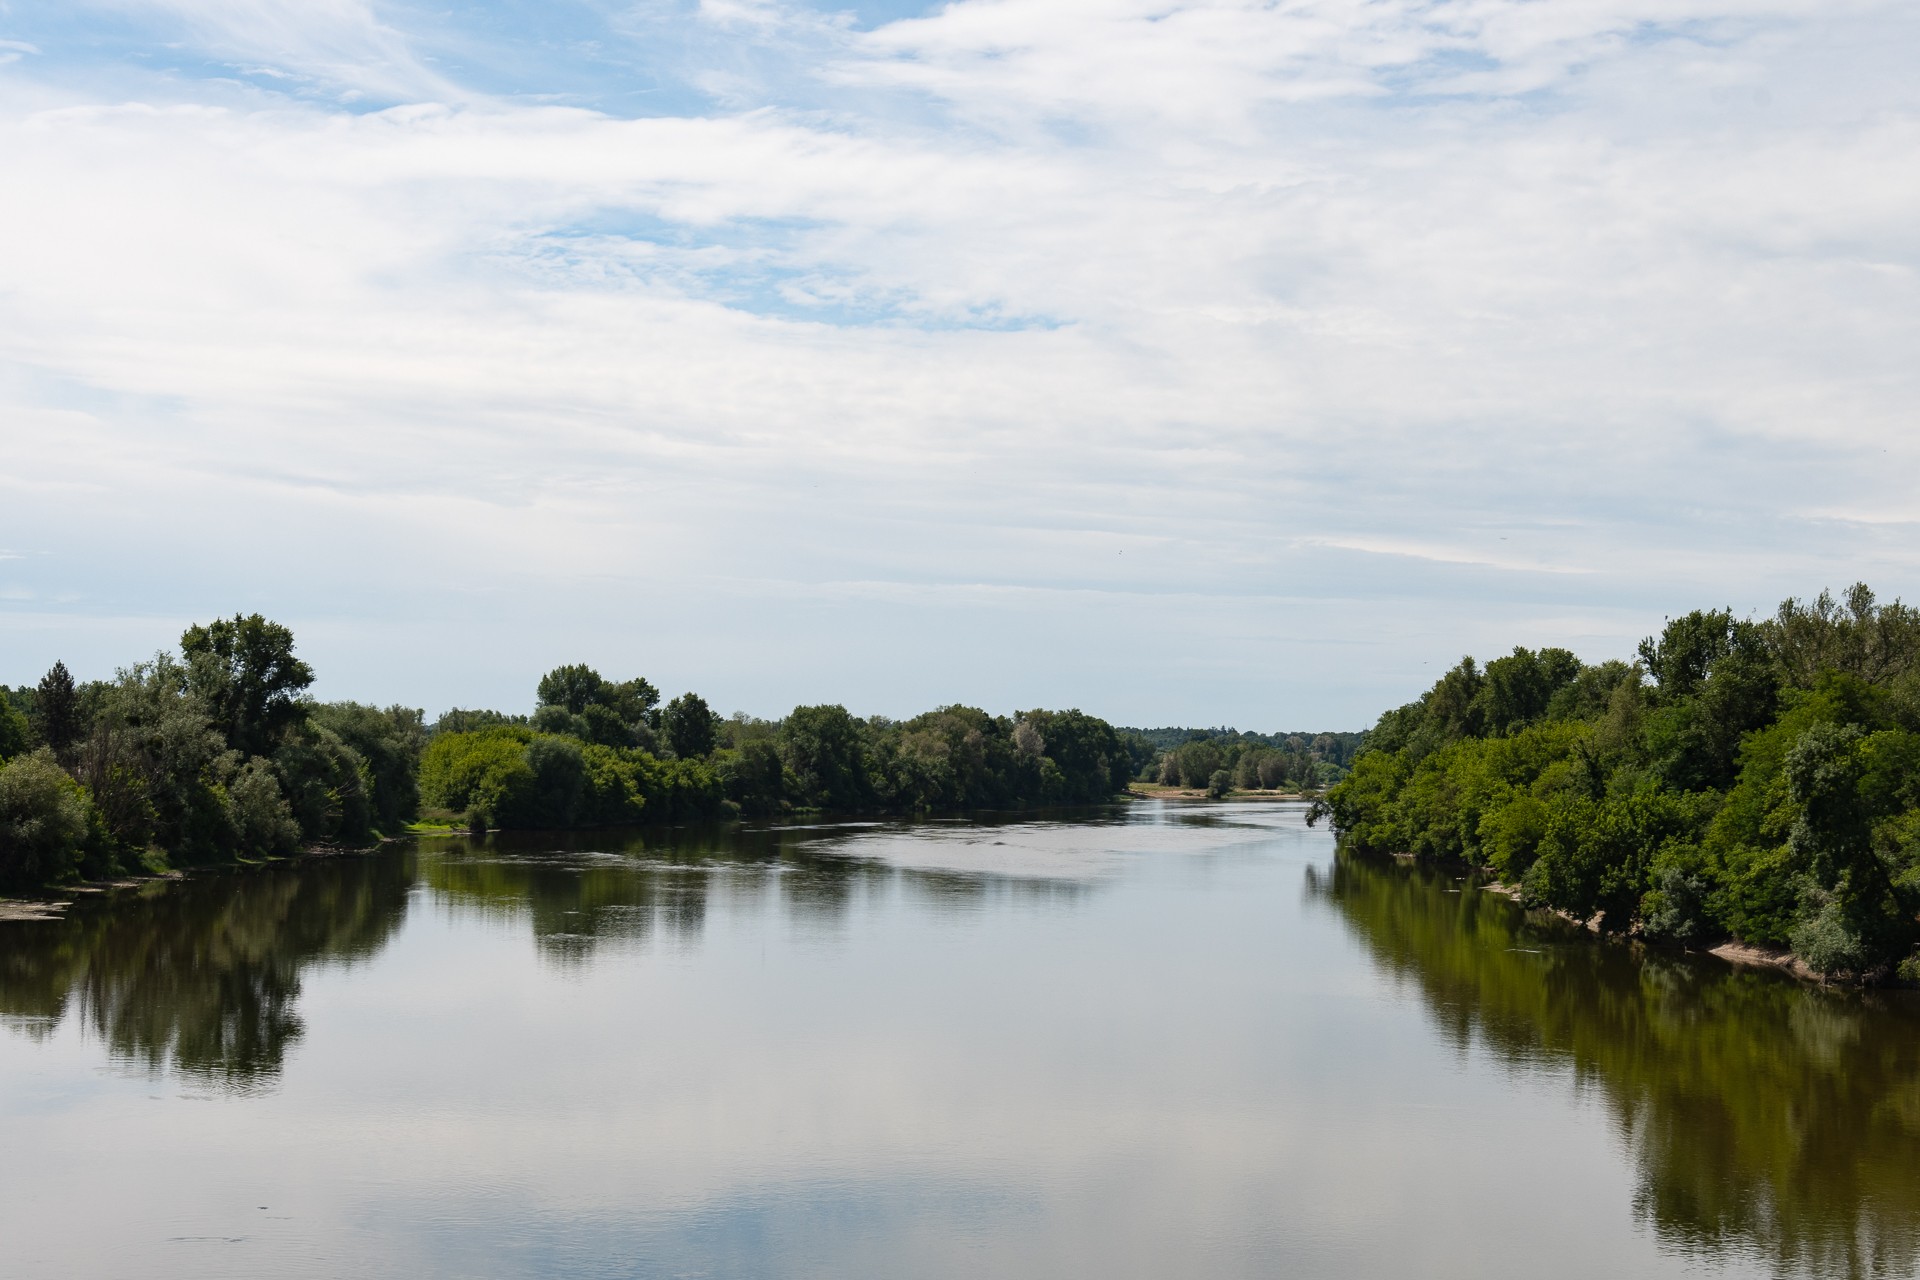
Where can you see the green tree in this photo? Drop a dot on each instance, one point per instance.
(575, 686)
(57, 713)
(327, 786)
(1686, 651)
(1858, 916)
(1518, 689)
(1092, 759)
(461, 720)
(16, 732)
(263, 823)
(578, 701)
(633, 700)
(244, 671)
(389, 743)
(825, 754)
(484, 774)
(45, 821)
(691, 727)
(1196, 763)
(753, 776)
(1718, 683)
(1857, 636)
(559, 781)
(159, 752)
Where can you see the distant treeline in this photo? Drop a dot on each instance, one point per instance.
(603, 751)
(1223, 759)
(1757, 780)
(217, 754)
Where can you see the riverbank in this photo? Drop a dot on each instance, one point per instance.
(1161, 791)
(1733, 951)
(56, 903)
(53, 905)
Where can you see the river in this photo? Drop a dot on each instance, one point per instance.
(1161, 1041)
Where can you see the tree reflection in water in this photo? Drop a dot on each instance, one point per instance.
(581, 889)
(201, 976)
(1766, 1118)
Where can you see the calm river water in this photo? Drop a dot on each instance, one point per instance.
(1166, 1042)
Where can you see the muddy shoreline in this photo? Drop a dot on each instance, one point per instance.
(54, 903)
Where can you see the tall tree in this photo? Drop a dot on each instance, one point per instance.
(825, 752)
(575, 686)
(244, 669)
(691, 727)
(56, 710)
(16, 732)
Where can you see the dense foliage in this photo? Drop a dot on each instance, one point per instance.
(1757, 780)
(212, 756)
(596, 751)
(218, 754)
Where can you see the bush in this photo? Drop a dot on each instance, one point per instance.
(752, 777)
(45, 822)
(15, 730)
(484, 773)
(389, 743)
(262, 820)
(1830, 943)
(327, 786)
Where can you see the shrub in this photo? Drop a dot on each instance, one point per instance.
(484, 773)
(45, 821)
(262, 820)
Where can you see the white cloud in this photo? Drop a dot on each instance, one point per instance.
(1058, 302)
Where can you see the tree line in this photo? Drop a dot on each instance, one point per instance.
(217, 753)
(1740, 779)
(602, 751)
(214, 754)
(1223, 760)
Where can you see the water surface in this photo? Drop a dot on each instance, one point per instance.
(1167, 1041)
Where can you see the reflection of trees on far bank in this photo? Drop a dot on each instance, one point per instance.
(201, 976)
(1766, 1118)
(579, 889)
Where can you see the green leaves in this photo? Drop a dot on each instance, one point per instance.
(45, 821)
(1767, 785)
(244, 670)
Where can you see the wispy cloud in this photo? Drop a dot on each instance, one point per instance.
(343, 43)
(1439, 553)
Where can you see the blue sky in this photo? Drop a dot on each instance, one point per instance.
(1187, 362)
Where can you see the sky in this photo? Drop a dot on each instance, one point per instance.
(1188, 362)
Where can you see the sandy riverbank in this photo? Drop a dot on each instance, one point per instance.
(1155, 791)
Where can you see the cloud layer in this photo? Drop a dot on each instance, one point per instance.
(1210, 362)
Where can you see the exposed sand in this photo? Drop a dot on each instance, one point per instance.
(1155, 791)
(1770, 957)
(1731, 952)
(30, 909)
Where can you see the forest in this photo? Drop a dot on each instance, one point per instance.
(1738, 779)
(218, 754)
